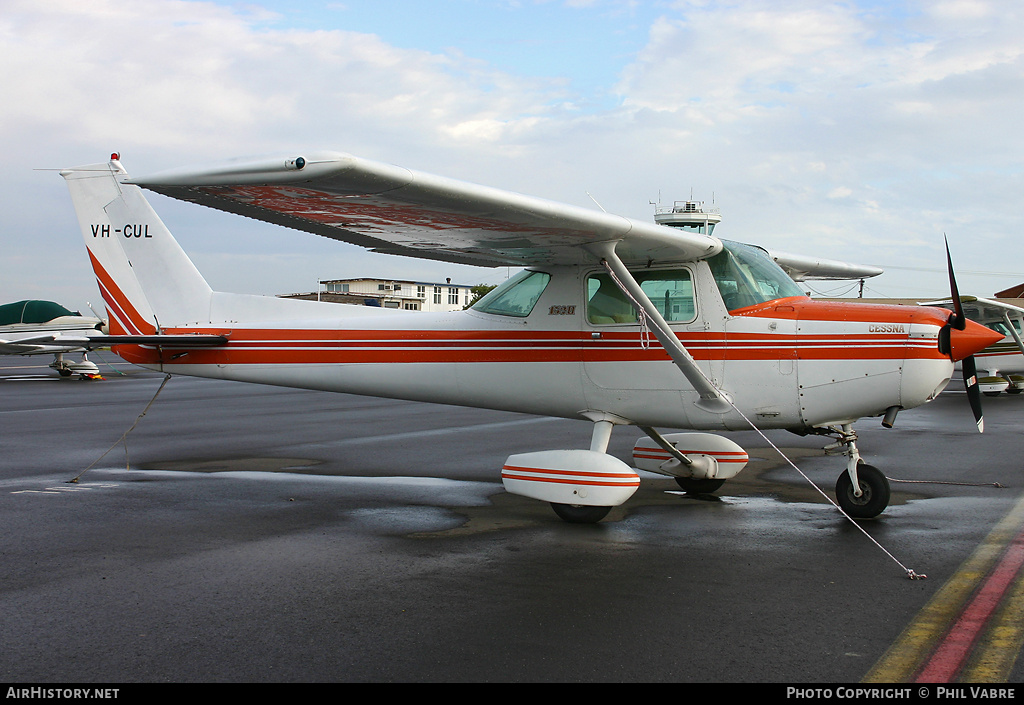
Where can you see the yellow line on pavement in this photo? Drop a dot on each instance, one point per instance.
(996, 656)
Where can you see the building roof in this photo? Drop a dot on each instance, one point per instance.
(393, 279)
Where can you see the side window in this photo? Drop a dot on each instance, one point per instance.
(517, 296)
(671, 292)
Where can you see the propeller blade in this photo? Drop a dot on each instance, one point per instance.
(973, 390)
(958, 320)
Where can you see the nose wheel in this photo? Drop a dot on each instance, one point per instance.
(873, 496)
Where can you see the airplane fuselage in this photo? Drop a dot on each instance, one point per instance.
(785, 363)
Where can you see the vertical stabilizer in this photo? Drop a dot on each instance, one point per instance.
(146, 279)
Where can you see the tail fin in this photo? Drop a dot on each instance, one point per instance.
(145, 278)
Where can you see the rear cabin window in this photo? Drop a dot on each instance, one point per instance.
(671, 292)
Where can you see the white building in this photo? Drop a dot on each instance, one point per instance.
(394, 293)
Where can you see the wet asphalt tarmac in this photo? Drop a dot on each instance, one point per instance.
(254, 534)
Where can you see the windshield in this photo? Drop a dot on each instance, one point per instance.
(746, 276)
(517, 296)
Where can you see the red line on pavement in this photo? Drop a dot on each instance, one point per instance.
(951, 654)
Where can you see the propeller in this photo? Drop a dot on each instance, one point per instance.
(958, 321)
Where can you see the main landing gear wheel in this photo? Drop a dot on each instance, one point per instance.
(874, 496)
(580, 514)
(692, 485)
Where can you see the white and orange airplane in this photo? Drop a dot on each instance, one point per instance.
(612, 320)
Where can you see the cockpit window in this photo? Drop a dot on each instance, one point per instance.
(671, 292)
(1001, 327)
(517, 296)
(746, 276)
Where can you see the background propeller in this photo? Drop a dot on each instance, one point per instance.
(958, 321)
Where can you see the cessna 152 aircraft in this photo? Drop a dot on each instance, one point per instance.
(47, 328)
(612, 320)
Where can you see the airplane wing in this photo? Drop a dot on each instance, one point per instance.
(400, 211)
(801, 268)
(978, 309)
(30, 348)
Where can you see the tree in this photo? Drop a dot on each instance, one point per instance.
(479, 291)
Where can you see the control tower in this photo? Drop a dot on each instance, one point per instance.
(688, 215)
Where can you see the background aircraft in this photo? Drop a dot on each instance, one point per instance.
(42, 328)
(612, 320)
(1003, 361)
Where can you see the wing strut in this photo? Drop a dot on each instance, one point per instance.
(712, 399)
(1013, 331)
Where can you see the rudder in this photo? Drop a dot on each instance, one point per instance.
(146, 279)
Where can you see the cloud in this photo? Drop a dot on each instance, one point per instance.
(207, 79)
(858, 131)
(170, 83)
(794, 102)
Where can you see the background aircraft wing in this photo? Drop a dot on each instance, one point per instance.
(400, 211)
(23, 348)
(978, 309)
(799, 268)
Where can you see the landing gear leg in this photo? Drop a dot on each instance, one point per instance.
(582, 513)
(863, 490)
(63, 369)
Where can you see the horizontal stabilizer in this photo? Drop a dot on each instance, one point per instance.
(103, 341)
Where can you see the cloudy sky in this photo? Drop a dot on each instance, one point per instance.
(860, 130)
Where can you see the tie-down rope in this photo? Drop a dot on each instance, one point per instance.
(641, 315)
(910, 573)
(645, 343)
(124, 436)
